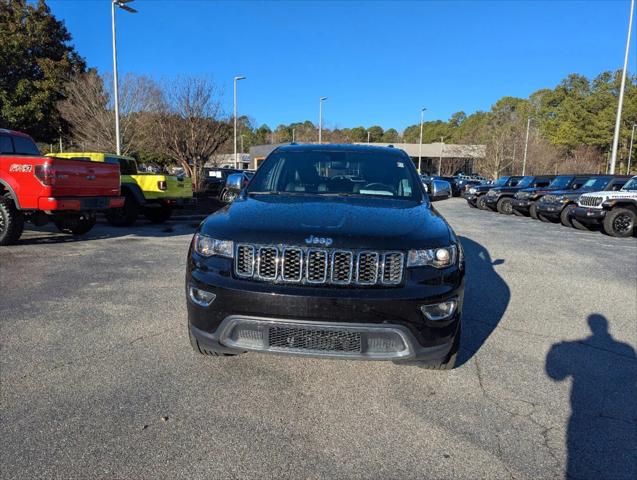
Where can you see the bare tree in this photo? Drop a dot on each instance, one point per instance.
(88, 109)
(190, 127)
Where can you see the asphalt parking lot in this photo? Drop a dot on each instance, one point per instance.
(98, 379)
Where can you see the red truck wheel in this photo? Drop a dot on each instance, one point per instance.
(75, 225)
(11, 222)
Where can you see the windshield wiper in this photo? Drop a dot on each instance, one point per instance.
(270, 192)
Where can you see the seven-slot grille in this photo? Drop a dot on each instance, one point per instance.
(548, 198)
(591, 201)
(315, 266)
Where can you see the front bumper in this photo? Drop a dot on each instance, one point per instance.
(550, 209)
(522, 205)
(78, 204)
(588, 214)
(492, 200)
(379, 314)
(472, 198)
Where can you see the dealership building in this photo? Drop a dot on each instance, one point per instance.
(433, 155)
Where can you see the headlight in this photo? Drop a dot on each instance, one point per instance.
(434, 257)
(472, 190)
(207, 246)
(492, 193)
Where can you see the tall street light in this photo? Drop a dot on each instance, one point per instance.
(120, 4)
(236, 79)
(526, 145)
(422, 117)
(293, 134)
(442, 144)
(618, 120)
(321, 119)
(630, 151)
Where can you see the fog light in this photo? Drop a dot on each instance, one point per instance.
(439, 311)
(201, 297)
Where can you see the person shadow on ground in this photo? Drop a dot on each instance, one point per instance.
(601, 437)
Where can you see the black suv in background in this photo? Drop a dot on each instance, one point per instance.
(330, 251)
(525, 201)
(475, 195)
(559, 204)
(501, 198)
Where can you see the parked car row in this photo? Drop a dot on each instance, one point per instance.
(68, 189)
(580, 201)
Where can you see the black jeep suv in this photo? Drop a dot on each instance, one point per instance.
(558, 205)
(475, 195)
(501, 198)
(525, 201)
(330, 251)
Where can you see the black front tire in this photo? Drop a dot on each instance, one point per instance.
(206, 351)
(11, 222)
(565, 215)
(505, 206)
(158, 214)
(481, 203)
(533, 211)
(452, 357)
(620, 222)
(580, 226)
(125, 216)
(544, 219)
(75, 225)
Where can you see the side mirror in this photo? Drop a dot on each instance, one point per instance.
(440, 190)
(234, 182)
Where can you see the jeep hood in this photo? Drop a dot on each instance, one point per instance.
(613, 194)
(350, 222)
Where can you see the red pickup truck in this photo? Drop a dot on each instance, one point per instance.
(38, 189)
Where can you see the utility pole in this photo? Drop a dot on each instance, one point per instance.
(236, 79)
(440, 160)
(321, 119)
(293, 133)
(630, 151)
(526, 145)
(368, 136)
(422, 117)
(613, 159)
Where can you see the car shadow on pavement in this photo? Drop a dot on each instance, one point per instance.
(601, 437)
(50, 235)
(486, 298)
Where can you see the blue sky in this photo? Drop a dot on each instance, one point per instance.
(378, 62)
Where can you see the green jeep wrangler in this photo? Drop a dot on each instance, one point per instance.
(154, 195)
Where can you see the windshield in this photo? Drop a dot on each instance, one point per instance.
(560, 182)
(631, 185)
(525, 181)
(337, 173)
(596, 183)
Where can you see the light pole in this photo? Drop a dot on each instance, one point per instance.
(120, 4)
(368, 136)
(321, 119)
(236, 79)
(293, 134)
(440, 159)
(526, 145)
(422, 117)
(630, 150)
(618, 120)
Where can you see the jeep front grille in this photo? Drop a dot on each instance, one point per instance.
(590, 201)
(317, 266)
(549, 198)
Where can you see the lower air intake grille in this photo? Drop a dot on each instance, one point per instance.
(309, 339)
